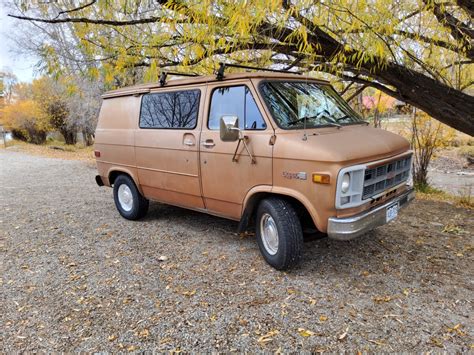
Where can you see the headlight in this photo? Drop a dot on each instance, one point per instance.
(350, 186)
(346, 183)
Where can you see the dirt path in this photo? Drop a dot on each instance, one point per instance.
(76, 276)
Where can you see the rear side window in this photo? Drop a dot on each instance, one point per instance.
(177, 109)
(235, 101)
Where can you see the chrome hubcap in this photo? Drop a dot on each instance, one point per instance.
(269, 233)
(125, 197)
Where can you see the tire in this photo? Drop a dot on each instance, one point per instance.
(128, 200)
(276, 214)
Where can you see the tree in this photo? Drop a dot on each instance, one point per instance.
(7, 82)
(427, 136)
(51, 97)
(83, 105)
(419, 52)
(27, 121)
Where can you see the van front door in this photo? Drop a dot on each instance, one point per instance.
(167, 146)
(225, 182)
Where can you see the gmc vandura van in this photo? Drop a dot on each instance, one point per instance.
(265, 149)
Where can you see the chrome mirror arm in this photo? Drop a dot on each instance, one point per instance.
(242, 139)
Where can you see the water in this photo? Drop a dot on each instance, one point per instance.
(8, 137)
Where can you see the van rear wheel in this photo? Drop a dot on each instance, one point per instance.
(279, 233)
(128, 200)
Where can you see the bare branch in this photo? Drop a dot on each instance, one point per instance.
(76, 9)
(152, 19)
(356, 93)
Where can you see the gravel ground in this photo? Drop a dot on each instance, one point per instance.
(452, 173)
(78, 277)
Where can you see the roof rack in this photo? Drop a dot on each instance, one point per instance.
(164, 75)
(222, 66)
(220, 72)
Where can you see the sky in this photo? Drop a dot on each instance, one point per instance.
(22, 67)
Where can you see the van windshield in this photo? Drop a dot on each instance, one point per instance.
(293, 102)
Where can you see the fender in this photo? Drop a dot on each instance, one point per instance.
(304, 201)
(131, 171)
(248, 203)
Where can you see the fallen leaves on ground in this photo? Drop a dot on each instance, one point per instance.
(189, 293)
(343, 335)
(268, 337)
(382, 299)
(452, 229)
(305, 332)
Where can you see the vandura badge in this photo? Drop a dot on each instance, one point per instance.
(297, 176)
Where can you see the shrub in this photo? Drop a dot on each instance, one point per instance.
(465, 198)
(467, 152)
(427, 135)
(26, 121)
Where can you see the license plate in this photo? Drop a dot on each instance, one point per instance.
(392, 212)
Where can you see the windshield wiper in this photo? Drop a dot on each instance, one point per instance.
(302, 119)
(329, 123)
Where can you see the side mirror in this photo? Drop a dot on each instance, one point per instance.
(229, 128)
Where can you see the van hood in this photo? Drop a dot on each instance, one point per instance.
(349, 144)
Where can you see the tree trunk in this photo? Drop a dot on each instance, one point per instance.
(36, 137)
(88, 138)
(70, 137)
(448, 105)
(444, 103)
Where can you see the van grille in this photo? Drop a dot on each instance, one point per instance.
(385, 176)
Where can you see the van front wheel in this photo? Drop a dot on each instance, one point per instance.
(128, 200)
(279, 233)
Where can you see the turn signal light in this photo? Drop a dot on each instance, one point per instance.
(97, 153)
(322, 178)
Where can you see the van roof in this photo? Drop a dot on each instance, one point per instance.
(144, 88)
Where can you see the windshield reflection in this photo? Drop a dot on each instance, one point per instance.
(297, 105)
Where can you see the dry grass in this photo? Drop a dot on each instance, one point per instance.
(464, 199)
(53, 149)
(467, 151)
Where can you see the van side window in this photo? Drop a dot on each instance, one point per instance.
(235, 101)
(177, 109)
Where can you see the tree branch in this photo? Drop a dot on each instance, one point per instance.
(357, 92)
(373, 84)
(76, 9)
(466, 5)
(459, 30)
(152, 19)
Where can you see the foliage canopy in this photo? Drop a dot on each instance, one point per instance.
(419, 51)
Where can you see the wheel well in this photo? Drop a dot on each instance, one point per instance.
(115, 174)
(248, 217)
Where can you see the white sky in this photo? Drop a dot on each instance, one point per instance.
(20, 66)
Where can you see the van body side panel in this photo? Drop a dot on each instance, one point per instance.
(167, 162)
(225, 183)
(114, 137)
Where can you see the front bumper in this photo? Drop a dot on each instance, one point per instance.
(354, 226)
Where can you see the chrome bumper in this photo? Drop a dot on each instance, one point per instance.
(354, 226)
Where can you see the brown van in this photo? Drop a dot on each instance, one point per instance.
(279, 151)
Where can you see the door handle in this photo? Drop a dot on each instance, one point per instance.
(209, 143)
(189, 143)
